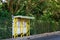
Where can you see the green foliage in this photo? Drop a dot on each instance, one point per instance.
(46, 13)
(5, 24)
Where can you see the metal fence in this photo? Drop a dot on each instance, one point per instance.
(37, 27)
(5, 27)
(40, 26)
(5, 33)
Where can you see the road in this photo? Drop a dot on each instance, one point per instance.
(45, 36)
(53, 37)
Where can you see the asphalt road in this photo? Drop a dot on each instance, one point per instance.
(53, 37)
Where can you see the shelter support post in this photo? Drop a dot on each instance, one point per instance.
(15, 28)
(28, 28)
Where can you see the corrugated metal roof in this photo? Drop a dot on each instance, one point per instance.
(26, 17)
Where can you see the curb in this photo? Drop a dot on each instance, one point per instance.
(35, 36)
(44, 35)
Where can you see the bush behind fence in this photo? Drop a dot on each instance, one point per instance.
(37, 27)
(40, 26)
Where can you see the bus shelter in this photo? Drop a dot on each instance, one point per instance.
(21, 26)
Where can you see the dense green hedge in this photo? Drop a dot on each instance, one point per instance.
(5, 24)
